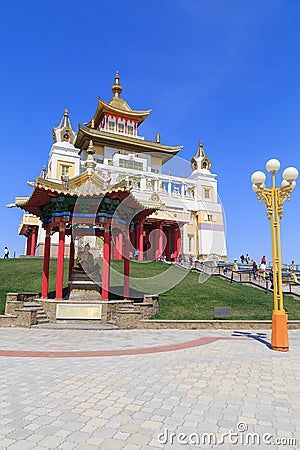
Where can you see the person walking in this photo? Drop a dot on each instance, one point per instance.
(262, 270)
(6, 253)
(271, 278)
(254, 269)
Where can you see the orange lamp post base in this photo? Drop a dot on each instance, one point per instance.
(279, 340)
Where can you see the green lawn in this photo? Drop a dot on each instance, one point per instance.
(24, 275)
(188, 299)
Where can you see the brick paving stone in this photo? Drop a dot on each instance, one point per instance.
(23, 445)
(73, 426)
(78, 437)
(51, 441)
(20, 434)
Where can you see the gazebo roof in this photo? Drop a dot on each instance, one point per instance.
(50, 198)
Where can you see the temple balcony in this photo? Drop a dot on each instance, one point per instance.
(121, 133)
(28, 221)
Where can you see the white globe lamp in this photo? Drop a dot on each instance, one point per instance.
(290, 174)
(273, 165)
(258, 178)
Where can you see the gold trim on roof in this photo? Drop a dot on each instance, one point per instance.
(118, 107)
(85, 134)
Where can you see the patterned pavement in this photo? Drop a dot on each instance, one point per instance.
(169, 389)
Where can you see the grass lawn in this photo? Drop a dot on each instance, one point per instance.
(189, 299)
(24, 275)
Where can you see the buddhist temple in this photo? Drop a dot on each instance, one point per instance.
(104, 186)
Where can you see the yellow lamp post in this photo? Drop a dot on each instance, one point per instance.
(273, 198)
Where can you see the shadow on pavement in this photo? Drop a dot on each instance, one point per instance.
(260, 337)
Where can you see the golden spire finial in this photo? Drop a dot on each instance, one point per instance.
(117, 88)
(90, 149)
(200, 151)
(90, 163)
(66, 112)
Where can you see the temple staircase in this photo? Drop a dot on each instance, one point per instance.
(84, 286)
(41, 316)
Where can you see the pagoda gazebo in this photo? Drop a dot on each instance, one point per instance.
(86, 205)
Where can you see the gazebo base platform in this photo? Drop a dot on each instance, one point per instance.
(124, 314)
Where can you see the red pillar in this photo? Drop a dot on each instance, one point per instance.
(113, 248)
(71, 258)
(119, 245)
(28, 245)
(137, 234)
(126, 267)
(167, 249)
(60, 262)
(106, 263)
(177, 242)
(160, 240)
(45, 277)
(33, 242)
(156, 249)
(141, 241)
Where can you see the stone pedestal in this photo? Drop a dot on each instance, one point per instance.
(83, 286)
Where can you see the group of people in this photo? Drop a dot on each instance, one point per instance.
(245, 259)
(261, 270)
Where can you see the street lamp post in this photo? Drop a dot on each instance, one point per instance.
(273, 198)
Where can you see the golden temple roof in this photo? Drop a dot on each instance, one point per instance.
(120, 141)
(117, 106)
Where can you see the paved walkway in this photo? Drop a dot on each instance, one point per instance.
(69, 389)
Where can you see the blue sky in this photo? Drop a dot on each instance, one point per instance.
(226, 72)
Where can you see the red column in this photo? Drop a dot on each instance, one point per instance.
(156, 250)
(137, 234)
(60, 262)
(33, 242)
(106, 263)
(119, 245)
(126, 267)
(28, 245)
(167, 249)
(141, 241)
(71, 258)
(113, 247)
(45, 277)
(177, 242)
(160, 240)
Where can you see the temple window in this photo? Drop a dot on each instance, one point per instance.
(121, 127)
(111, 125)
(208, 193)
(130, 164)
(130, 129)
(65, 169)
